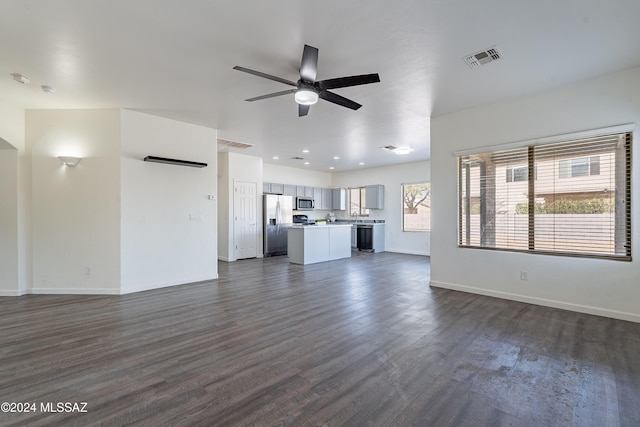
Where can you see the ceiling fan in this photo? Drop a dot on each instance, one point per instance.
(308, 90)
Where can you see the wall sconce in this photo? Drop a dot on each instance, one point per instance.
(70, 161)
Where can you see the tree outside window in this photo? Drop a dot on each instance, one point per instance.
(416, 201)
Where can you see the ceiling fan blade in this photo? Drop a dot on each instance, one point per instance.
(266, 76)
(340, 100)
(364, 79)
(303, 110)
(309, 64)
(271, 95)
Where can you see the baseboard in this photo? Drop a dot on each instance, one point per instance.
(191, 281)
(73, 291)
(621, 315)
(225, 259)
(402, 251)
(11, 293)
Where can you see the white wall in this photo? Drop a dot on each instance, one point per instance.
(75, 211)
(608, 288)
(287, 175)
(14, 200)
(169, 226)
(391, 177)
(225, 209)
(9, 260)
(237, 167)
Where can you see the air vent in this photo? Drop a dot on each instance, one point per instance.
(297, 158)
(389, 147)
(483, 57)
(225, 143)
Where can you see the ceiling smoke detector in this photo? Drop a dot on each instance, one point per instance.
(483, 57)
(20, 78)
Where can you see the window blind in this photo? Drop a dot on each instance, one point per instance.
(568, 198)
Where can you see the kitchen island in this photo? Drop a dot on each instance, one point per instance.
(309, 244)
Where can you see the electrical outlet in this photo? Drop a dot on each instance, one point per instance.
(524, 275)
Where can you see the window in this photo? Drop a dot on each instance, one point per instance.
(547, 212)
(517, 173)
(416, 205)
(583, 166)
(356, 202)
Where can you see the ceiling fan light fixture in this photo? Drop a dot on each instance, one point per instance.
(306, 96)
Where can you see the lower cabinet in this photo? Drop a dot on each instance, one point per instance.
(312, 244)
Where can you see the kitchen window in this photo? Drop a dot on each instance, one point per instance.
(549, 212)
(356, 202)
(416, 207)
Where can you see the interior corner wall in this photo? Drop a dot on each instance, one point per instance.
(169, 221)
(225, 213)
(75, 211)
(14, 209)
(9, 260)
(596, 286)
(392, 177)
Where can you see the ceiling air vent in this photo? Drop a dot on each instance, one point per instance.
(297, 158)
(226, 144)
(389, 147)
(483, 57)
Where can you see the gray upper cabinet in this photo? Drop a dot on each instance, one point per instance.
(317, 198)
(309, 192)
(289, 190)
(339, 202)
(299, 191)
(271, 188)
(277, 188)
(374, 197)
(327, 199)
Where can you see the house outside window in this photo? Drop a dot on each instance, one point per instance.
(416, 207)
(578, 202)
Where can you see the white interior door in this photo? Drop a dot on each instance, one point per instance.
(245, 219)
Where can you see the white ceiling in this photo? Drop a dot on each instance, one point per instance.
(174, 58)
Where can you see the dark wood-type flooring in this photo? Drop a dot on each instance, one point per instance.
(355, 342)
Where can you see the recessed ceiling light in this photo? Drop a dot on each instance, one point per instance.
(305, 151)
(361, 163)
(306, 163)
(331, 167)
(336, 158)
(276, 158)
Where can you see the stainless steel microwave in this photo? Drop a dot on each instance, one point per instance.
(304, 204)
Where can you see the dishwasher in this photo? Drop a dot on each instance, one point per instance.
(364, 236)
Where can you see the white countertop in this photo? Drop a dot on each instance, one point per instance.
(319, 226)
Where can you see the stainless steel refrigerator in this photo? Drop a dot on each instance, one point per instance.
(278, 216)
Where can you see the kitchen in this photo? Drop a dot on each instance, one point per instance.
(301, 221)
(234, 168)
